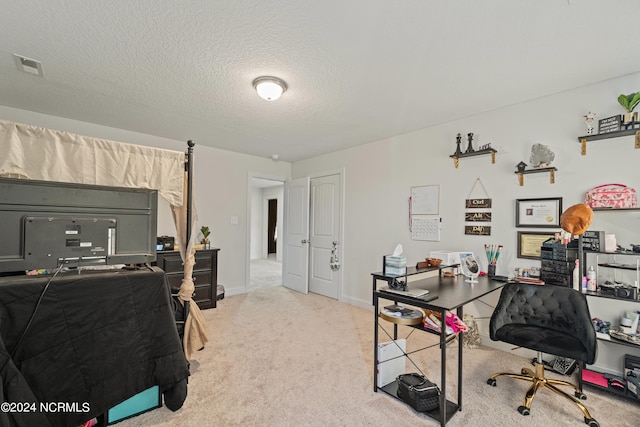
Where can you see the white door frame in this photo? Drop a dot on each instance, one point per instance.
(341, 245)
(251, 175)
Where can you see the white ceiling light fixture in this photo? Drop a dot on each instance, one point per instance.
(269, 88)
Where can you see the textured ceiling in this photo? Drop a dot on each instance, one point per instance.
(358, 71)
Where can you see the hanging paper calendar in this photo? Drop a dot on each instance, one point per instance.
(424, 200)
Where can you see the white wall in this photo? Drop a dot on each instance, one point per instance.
(220, 187)
(256, 223)
(379, 176)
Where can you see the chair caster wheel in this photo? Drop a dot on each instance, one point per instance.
(524, 410)
(491, 382)
(591, 422)
(580, 396)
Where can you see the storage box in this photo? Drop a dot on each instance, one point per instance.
(594, 377)
(142, 402)
(632, 374)
(633, 384)
(391, 361)
(447, 257)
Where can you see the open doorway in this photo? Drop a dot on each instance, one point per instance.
(265, 261)
(272, 228)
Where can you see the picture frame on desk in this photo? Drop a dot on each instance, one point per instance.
(530, 243)
(539, 213)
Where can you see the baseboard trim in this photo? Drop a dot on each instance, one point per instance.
(367, 305)
(234, 291)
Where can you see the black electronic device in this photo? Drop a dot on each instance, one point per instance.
(165, 243)
(51, 241)
(46, 224)
(619, 289)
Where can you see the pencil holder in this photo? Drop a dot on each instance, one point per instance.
(492, 270)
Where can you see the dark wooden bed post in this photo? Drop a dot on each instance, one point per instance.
(189, 169)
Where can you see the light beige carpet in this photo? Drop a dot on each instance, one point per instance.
(280, 358)
(265, 273)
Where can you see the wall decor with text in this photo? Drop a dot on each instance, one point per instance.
(477, 210)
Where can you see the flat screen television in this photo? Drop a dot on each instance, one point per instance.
(45, 224)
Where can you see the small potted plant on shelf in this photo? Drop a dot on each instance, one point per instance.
(205, 239)
(629, 102)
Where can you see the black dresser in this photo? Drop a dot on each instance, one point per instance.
(205, 274)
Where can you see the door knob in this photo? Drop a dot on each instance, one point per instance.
(305, 241)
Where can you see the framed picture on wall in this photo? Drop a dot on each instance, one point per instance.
(539, 213)
(530, 242)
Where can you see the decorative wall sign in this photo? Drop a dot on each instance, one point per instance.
(477, 216)
(477, 230)
(477, 203)
(610, 124)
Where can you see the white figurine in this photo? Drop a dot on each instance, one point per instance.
(588, 119)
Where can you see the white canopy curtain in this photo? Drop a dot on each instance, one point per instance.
(50, 155)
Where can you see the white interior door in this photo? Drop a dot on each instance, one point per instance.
(324, 233)
(295, 268)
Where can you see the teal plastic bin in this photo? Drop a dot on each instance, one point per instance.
(135, 405)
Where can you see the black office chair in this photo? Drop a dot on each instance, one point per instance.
(549, 319)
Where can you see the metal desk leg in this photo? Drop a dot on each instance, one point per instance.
(459, 312)
(375, 343)
(374, 291)
(443, 370)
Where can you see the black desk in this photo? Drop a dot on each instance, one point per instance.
(97, 338)
(453, 293)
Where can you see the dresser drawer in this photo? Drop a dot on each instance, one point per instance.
(203, 294)
(203, 261)
(175, 280)
(200, 278)
(170, 263)
(205, 274)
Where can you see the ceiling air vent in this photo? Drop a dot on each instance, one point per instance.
(28, 65)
